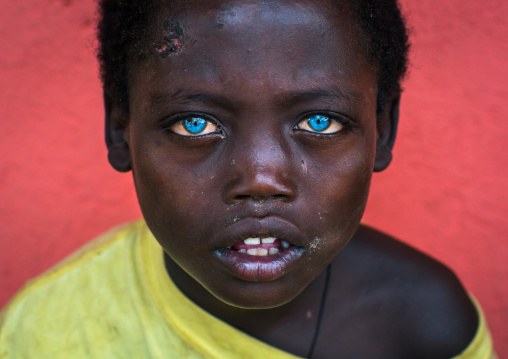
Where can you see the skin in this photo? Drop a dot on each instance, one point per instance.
(256, 71)
(259, 174)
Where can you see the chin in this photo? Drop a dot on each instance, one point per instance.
(266, 295)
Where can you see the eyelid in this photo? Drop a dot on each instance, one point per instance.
(177, 126)
(338, 124)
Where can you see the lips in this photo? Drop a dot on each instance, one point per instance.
(258, 250)
(260, 246)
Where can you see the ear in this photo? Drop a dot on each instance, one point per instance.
(117, 125)
(387, 121)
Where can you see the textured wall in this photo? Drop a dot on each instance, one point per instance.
(445, 192)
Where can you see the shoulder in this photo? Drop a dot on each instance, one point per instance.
(93, 254)
(48, 307)
(421, 304)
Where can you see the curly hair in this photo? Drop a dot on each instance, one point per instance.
(124, 27)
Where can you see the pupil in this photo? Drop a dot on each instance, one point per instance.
(319, 122)
(194, 124)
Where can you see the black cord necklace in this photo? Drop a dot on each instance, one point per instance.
(321, 311)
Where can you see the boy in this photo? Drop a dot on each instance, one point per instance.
(252, 129)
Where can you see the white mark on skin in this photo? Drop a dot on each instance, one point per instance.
(309, 314)
(232, 162)
(314, 245)
(319, 214)
(304, 167)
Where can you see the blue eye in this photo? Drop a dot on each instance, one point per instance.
(319, 122)
(194, 125)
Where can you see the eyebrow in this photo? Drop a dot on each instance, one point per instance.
(183, 97)
(287, 99)
(296, 97)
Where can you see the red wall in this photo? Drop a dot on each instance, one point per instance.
(445, 192)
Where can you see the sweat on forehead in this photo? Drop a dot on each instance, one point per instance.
(128, 30)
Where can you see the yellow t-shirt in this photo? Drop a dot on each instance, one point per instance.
(110, 300)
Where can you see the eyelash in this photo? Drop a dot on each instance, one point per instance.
(347, 125)
(184, 132)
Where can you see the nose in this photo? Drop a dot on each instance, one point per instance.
(260, 170)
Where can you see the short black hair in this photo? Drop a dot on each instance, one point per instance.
(124, 27)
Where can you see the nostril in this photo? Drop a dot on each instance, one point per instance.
(282, 197)
(243, 197)
(260, 185)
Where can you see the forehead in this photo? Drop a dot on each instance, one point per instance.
(230, 43)
(231, 12)
(260, 26)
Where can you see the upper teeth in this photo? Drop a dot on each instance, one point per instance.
(268, 240)
(254, 241)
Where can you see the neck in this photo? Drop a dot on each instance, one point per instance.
(290, 327)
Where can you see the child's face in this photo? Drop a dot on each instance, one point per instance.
(259, 80)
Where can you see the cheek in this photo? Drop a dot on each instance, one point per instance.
(339, 188)
(173, 199)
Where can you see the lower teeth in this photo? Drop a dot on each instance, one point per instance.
(261, 252)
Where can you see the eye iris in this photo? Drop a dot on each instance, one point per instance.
(319, 122)
(194, 124)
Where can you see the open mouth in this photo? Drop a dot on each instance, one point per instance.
(260, 247)
(260, 259)
(260, 250)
